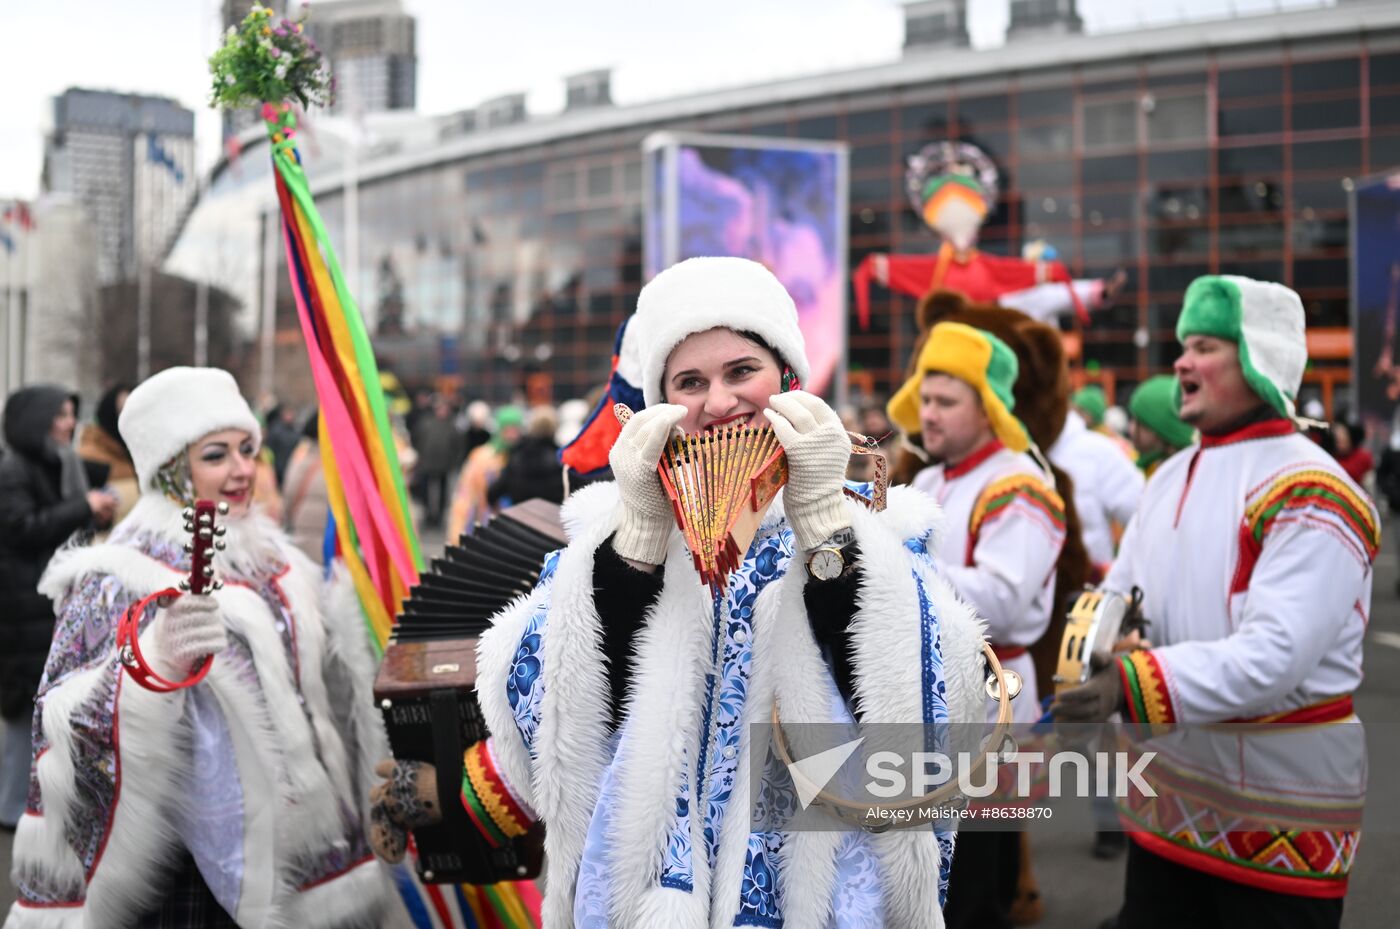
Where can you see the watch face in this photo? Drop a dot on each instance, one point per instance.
(826, 564)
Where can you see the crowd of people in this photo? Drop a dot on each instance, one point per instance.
(227, 766)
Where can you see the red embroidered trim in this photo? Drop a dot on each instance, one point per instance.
(1269, 429)
(953, 472)
(1186, 490)
(1324, 711)
(1250, 551)
(1316, 887)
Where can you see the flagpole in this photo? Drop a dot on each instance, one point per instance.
(352, 202)
(201, 322)
(10, 335)
(143, 322)
(143, 282)
(30, 251)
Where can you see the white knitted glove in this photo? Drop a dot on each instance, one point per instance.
(190, 630)
(818, 451)
(647, 517)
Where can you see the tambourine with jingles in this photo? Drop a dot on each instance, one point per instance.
(1096, 621)
(206, 537)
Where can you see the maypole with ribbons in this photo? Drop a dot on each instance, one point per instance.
(270, 65)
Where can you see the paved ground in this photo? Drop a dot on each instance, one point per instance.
(1081, 891)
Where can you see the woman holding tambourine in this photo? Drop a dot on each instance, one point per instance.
(198, 752)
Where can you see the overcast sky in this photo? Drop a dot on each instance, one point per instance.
(471, 50)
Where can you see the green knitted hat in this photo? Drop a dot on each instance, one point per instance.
(1154, 405)
(1264, 319)
(1091, 401)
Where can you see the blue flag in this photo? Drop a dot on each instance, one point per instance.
(156, 154)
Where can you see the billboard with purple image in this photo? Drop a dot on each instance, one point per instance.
(781, 202)
(1375, 294)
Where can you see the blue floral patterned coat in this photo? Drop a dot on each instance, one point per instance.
(651, 825)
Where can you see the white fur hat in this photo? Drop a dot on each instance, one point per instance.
(699, 294)
(169, 410)
(1265, 319)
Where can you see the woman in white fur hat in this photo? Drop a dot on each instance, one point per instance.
(228, 803)
(620, 694)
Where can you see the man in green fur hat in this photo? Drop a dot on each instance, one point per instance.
(1253, 551)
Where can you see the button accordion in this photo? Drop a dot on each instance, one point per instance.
(425, 685)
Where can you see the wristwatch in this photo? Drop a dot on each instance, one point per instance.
(828, 561)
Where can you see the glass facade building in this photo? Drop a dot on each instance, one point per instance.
(504, 259)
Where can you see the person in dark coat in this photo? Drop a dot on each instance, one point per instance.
(533, 469)
(102, 449)
(439, 447)
(283, 434)
(44, 499)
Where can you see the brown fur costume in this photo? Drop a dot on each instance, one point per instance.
(1042, 402)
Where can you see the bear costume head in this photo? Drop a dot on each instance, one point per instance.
(1042, 403)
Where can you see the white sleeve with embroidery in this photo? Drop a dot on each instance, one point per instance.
(1015, 554)
(1303, 600)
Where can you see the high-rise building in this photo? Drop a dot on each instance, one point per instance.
(129, 160)
(371, 49)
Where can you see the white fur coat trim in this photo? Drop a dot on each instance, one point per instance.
(574, 711)
(41, 849)
(153, 756)
(352, 900)
(281, 733)
(28, 917)
(664, 711)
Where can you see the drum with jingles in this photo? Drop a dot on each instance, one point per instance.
(1096, 621)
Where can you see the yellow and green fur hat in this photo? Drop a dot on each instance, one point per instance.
(977, 358)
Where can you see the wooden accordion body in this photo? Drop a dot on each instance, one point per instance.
(426, 682)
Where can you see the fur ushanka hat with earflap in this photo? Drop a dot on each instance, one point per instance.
(1267, 322)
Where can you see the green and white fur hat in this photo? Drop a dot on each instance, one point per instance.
(1264, 319)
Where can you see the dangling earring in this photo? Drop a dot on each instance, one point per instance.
(790, 380)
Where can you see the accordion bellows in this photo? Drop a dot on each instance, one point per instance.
(721, 484)
(425, 685)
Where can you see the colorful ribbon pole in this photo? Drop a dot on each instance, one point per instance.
(368, 499)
